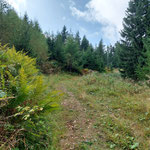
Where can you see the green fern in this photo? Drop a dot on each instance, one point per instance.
(27, 97)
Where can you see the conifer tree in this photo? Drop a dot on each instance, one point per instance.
(84, 43)
(135, 24)
(89, 59)
(58, 53)
(100, 54)
(22, 40)
(64, 34)
(144, 72)
(116, 60)
(110, 56)
(72, 55)
(51, 46)
(77, 38)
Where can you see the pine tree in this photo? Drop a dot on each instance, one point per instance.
(77, 38)
(88, 59)
(72, 55)
(58, 53)
(84, 43)
(116, 60)
(22, 40)
(11, 26)
(144, 72)
(51, 46)
(110, 56)
(136, 23)
(100, 54)
(37, 26)
(64, 34)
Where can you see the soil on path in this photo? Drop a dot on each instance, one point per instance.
(79, 126)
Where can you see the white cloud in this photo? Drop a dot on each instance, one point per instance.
(111, 33)
(19, 5)
(109, 13)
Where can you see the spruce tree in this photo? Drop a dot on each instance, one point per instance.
(58, 53)
(110, 56)
(144, 72)
(72, 55)
(77, 38)
(116, 60)
(135, 24)
(64, 34)
(51, 46)
(100, 54)
(23, 38)
(89, 59)
(84, 43)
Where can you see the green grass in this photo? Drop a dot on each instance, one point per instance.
(119, 111)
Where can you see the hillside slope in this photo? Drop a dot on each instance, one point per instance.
(100, 112)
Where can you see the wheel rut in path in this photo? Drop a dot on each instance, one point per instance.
(79, 128)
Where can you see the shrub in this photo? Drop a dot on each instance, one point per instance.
(24, 99)
(51, 67)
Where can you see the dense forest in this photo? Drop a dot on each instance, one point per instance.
(64, 49)
(28, 56)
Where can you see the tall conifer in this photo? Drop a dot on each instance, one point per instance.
(135, 24)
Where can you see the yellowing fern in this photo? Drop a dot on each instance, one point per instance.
(23, 97)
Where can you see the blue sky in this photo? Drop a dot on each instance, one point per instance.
(94, 18)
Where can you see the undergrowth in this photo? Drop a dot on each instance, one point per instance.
(25, 103)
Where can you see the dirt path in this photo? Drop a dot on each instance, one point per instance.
(79, 126)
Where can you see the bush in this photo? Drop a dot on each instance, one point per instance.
(24, 99)
(50, 67)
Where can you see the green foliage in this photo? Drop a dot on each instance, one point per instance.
(74, 54)
(64, 34)
(26, 35)
(71, 53)
(88, 59)
(84, 43)
(144, 72)
(136, 26)
(100, 57)
(25, 100)
(38, 44)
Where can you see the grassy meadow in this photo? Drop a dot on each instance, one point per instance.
(100, 112)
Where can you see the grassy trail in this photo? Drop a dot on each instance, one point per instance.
(78, 123)
(101, 112)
